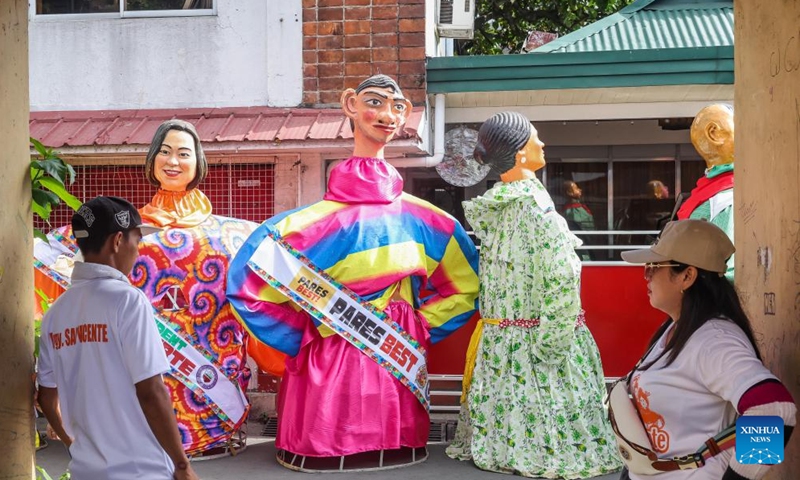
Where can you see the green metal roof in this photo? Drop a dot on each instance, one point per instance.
(630, 68)
(650, 24)
(647, 43)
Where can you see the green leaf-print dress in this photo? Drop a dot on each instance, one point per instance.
(535, 404)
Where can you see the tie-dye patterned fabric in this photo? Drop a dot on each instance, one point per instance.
(386, 246)
(183, 272)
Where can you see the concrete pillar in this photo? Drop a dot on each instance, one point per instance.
(16, 274)
(767, 193)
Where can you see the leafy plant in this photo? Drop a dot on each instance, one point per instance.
(44, 302)
(49, 177)
(41, 474)
(501, 26)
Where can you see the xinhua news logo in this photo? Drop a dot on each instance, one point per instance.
(759, 440)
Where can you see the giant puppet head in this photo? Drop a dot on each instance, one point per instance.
(510, 144)
(377, 110)
(712, 134)
(176, 161)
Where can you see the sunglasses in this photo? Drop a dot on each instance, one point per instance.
(650, 268)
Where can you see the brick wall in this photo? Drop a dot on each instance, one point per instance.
(346, 41)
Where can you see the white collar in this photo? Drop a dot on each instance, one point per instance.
(85, 271)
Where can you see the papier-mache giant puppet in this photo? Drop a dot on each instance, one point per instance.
(354, 289)
(533, 382)
(183, 271)
(712, 197)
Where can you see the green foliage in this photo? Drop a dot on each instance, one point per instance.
(501, 26)
(49, 177)
(44, 302)
(41, 474)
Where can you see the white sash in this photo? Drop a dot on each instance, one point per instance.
(336, 306)
(204, 378)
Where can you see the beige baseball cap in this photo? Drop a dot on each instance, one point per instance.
(692, 242)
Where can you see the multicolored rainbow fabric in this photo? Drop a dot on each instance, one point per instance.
(387, 247)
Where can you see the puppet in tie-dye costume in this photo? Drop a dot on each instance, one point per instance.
(387, 247)
(182, 270)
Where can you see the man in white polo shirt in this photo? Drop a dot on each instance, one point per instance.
(101, 359)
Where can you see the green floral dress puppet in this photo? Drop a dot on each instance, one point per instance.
(533, 386)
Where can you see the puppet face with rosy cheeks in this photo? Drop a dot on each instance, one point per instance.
(377, 114)
(175, 164)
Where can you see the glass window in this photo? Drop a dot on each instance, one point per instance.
(141, 5)
(580, 193)
(614, 198)
(57, 7)
(691, 171)
(52, 7)
(643, 200)
(442, 194)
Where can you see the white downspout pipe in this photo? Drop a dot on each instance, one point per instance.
(438, 144)
(438, 140)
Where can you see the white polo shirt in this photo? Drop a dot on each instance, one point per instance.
(98, 340)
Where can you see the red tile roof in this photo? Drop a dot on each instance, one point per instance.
(247, 124)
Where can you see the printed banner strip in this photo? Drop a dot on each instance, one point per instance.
(61, 280)
(191, 365)
(360, 323)
(200, 375)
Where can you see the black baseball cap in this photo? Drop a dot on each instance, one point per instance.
(103, 216)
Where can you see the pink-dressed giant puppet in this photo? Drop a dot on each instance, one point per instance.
(354, 289)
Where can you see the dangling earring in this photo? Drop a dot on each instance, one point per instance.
(523, 159)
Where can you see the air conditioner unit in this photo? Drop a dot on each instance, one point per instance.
(455, 18)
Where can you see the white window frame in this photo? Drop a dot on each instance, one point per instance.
(206, 12)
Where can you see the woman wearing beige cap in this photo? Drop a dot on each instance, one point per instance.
(702, 369)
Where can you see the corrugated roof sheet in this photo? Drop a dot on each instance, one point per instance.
(247, 124)
(652, 24)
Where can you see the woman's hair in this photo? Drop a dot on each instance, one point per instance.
(155, 147)
(500, 138)
(657, 189)
(710, 296)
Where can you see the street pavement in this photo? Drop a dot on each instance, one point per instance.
(257, 461)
